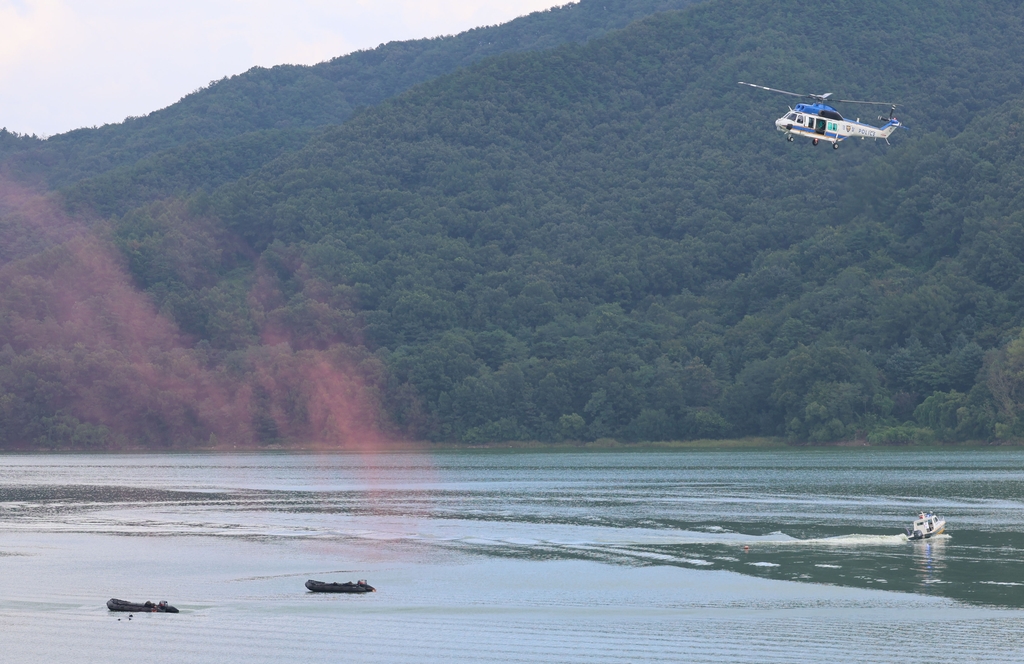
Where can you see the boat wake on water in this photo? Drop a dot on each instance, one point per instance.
(851, 540)
(608, 541)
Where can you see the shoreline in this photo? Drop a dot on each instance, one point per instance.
(602, 444)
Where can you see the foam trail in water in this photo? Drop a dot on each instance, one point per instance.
(854, 539)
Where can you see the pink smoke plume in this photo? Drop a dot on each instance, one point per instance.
(96, 347)
(30, 223)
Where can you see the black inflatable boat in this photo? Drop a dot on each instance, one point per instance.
(347, 587)
(147, 607)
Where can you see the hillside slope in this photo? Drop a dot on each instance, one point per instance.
(611, 240)
(303, 97)
(650, 264)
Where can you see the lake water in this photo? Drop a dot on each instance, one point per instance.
(515, 556)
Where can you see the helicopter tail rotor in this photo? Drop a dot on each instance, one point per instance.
(892, 114)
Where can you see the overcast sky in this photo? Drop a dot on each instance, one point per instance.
(66, 64)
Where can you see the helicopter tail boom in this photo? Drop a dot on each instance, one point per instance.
(889, 127)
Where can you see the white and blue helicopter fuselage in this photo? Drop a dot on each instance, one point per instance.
(821, 122)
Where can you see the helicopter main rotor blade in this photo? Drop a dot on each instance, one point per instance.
(854, 101)
(821, 98)
(785, 92)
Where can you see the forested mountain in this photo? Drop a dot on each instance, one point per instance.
(295, 97)
(599, 240)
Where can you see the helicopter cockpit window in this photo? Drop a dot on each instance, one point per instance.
(800, 119)
(791, 116)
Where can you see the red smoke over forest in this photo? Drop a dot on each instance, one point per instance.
(87, 361)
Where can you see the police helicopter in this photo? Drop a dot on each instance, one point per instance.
(821, 122)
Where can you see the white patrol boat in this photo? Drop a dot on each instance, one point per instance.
(926, 525)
